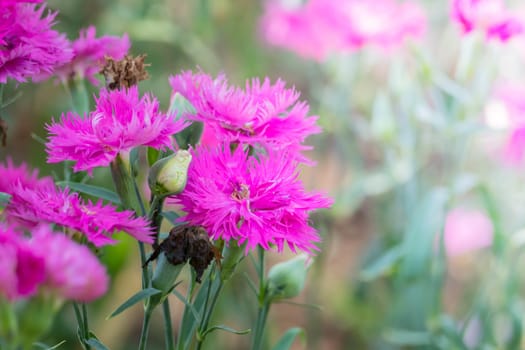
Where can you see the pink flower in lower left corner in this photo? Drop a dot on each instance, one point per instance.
(121, 121)
(73, 272)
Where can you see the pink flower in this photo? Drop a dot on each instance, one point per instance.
(40, 201)
(259, 202)
(321, 27)
(300, 30)
(120, 122)
(73, 272)
(22, 270)
(489, 16)
(261, 115)
(29, 46)
(89, 53)
(507, 111)
(11, 175)
(466, 230)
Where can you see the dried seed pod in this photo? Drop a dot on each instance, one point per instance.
(187, 243)
(124, 73)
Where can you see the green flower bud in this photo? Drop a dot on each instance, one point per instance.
(164, 278)
(286, 280)
(169, 175)
(232, 255)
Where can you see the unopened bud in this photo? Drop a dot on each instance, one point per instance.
(286, 280)
(168, 176)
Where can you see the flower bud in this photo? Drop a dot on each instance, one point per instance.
(164, 278)
(169, 175)
(286, 280)
(232, 255)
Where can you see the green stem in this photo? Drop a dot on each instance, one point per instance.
(86, 324)
(168, 326)
(260, 325)
(264, 303)
(207, 315)
(82, 324)
(145, 329)
(155, 216)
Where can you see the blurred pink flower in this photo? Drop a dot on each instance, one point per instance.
(35, 201)
(466, 230)
(22, 270)
(73, 272)
(321, 27)
(261, 115)
(29, 46)
(259, 201)
(89, 53)
(488, 16)
(120, 122)
(507, 110)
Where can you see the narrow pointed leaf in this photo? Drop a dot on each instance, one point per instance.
(288, 338)
(226, 329)
(143, 294)
(96, 191)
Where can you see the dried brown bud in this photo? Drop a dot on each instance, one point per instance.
(188, 243)
(124, 73)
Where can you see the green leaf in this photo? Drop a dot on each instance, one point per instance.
(47, 347)
(419, 239)
(383, 264)
(96, 344)
(143, 294)
(226, 329)
(288, 338)
(4, 200)
(96, 191)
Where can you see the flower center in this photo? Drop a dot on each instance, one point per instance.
(241, 192)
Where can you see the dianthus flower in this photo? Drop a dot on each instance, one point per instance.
(89, 53)
(257, 201)
(72, 271)
(506, 110)
(33, 203)
(120, 122)
(489, 16)
(466, 230)
(261, 115)
(321, 27)
(22, 270)
(29, 46)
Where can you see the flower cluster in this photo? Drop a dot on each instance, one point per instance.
(51, 262)
(29, 46)
(488, 16)
(321, 27)
(89, 53)
(120, 121)
(243, 181)
(35, 201)
(262, 115)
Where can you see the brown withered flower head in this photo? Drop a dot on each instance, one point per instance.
(124, 73)
(187, 243)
